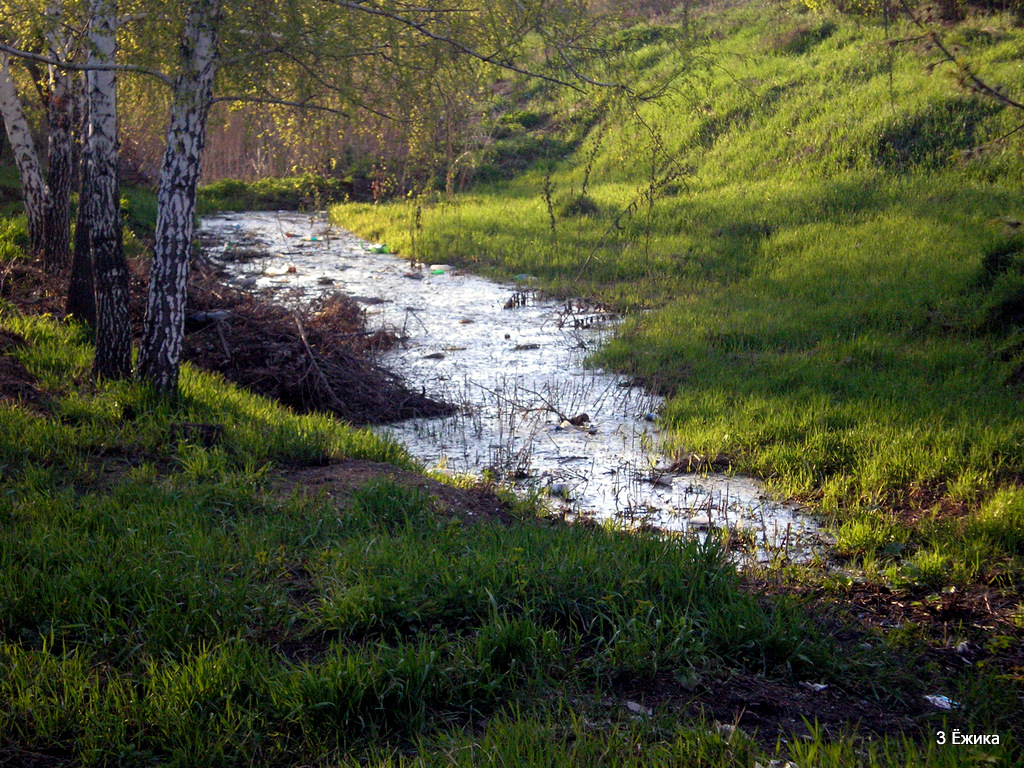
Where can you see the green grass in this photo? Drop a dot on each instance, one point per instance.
(831, 300)
(160, 603)
(10, 192)
(564, 737)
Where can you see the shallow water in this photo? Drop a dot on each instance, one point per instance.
(514, 363)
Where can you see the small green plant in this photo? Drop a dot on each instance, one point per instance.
(391, 506)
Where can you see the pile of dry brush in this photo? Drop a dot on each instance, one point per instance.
(318, 358)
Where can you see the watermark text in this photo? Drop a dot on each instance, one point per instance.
(956, 738)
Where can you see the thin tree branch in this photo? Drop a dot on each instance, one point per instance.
(306, 104)
(999, 139)
(70, 65)
(975, 82)
(576, 73)
(493, 58)
(280, 103)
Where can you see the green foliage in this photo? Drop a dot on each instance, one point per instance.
(13, 238)
(579, 206)
(10, 192)
(525, 119)
(800, 39)
(138, 210)
(514, 152)
(1001, 521)
(389, 506)
(306, 191)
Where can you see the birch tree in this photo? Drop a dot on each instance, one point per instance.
(164, 328)
(81, 301)
(23, 146)
(57, 203)
(102, 212)
(325, 55)
(332, 51)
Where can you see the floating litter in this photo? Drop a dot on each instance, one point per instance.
(286, 269)
(561, 490)
(942, 702)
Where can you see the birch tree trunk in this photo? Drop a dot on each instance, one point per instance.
(57, 205)
(103, 211)
(81, 301)
(25, 157)
(164, 329)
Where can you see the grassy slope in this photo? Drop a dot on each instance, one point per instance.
(813, 259)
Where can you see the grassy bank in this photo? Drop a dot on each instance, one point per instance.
(833, 298)
(166, 599)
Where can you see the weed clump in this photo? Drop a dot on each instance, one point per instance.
(799, 40)
(583, 205)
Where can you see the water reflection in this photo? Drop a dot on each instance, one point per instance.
(530, 411)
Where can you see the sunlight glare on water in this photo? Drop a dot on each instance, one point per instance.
(514, 364)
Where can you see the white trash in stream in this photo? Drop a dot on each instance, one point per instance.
(529, 411)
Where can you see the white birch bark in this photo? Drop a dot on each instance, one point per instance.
(113, 332)
(25, 158)
(164, 329)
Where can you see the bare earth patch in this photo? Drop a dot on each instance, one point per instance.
(768, 709)
(339, 480)
(17, 385)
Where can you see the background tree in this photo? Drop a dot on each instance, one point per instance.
(102, 212)
(331, 56)
(59, 170)
(323, 55)
(81, 301)
(30, 173)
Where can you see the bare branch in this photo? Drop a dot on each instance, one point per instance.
(95, 67)
(305, 104)
(968, 75)
(576, 73)
(493, 58)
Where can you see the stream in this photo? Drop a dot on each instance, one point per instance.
(529, 411)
